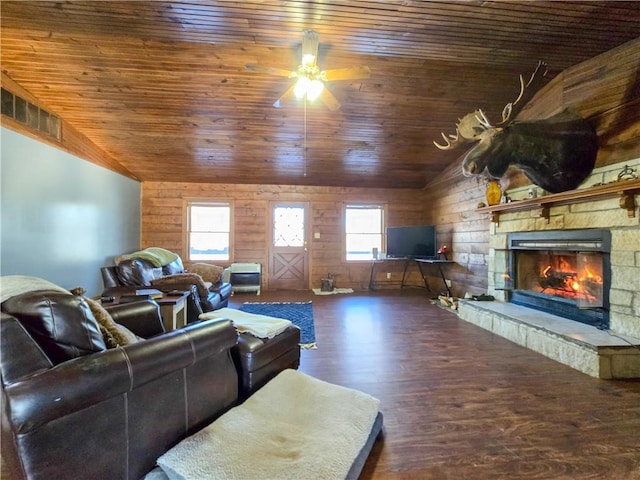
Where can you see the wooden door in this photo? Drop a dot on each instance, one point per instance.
(289, 255)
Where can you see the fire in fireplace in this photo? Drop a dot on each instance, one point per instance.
(564, 272)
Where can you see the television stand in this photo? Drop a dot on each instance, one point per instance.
(420, 263)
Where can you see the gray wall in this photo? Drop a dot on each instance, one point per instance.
(62, 217)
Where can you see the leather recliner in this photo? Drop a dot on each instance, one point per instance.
(138, 272)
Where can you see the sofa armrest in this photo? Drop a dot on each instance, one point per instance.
(86, 381)
(142, 318)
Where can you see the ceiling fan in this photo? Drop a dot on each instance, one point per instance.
(310, 79)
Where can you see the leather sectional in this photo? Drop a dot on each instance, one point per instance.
(74, 408)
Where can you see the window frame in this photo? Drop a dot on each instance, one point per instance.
(188, 203)
(382, 207)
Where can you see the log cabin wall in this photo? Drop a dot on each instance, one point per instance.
(465, 233)
(605, 90)
(163, 217)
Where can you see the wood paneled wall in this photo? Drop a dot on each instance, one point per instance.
(605, 90)
(464, 232)
(163, 208)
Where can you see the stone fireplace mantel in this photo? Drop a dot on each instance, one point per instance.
(624, 190)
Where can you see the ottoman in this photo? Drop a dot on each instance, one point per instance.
(258, 360)
(273, 347)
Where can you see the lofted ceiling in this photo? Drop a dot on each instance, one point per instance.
(161, 86)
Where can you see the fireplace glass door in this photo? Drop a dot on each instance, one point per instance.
(576, 276)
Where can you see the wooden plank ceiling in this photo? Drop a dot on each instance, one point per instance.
(162, 88)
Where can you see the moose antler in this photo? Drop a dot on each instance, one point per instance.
(468, 129)
(512, 109)
(451, 141)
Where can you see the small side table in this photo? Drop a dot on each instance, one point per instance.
(173, 310)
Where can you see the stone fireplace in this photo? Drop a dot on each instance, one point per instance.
(567, 281)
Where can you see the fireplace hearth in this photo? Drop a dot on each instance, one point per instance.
(563, 272)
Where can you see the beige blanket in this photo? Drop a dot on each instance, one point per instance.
(261, 326)
(295, 427)
(156, 256)
(12, 285)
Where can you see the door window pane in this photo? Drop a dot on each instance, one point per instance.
(288, 227)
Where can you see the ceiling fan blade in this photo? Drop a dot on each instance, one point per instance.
(309, 48)
(329, 100)
(347, 73)
(285, 98)
(279, 72)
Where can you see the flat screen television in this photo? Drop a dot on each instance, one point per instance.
(411, 242)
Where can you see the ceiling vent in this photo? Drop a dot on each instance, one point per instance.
(30, 115)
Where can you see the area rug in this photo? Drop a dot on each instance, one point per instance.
(300, 314)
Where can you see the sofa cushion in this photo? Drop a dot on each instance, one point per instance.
(137, 273)
(62, 324)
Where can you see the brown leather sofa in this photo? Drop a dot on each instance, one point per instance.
(138, 272)
(73, 409)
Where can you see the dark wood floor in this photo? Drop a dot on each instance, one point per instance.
(462, 403)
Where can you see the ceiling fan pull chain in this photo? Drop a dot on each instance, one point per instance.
(304, 167)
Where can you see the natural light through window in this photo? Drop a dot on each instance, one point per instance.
(288, 227)
(364, 227)
(209, 231)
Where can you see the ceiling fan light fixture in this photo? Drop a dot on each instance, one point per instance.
(309, 78)
(308, 60)
(309, 47)
(305, 86)
(300, 90)
(314, 89)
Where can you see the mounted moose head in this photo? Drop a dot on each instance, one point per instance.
(556, 153)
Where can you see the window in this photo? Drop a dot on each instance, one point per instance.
(208, 231)
(364, 228)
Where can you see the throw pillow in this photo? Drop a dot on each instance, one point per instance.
(62, 324)
(115, 335)
(210, 273)
(182, 281)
